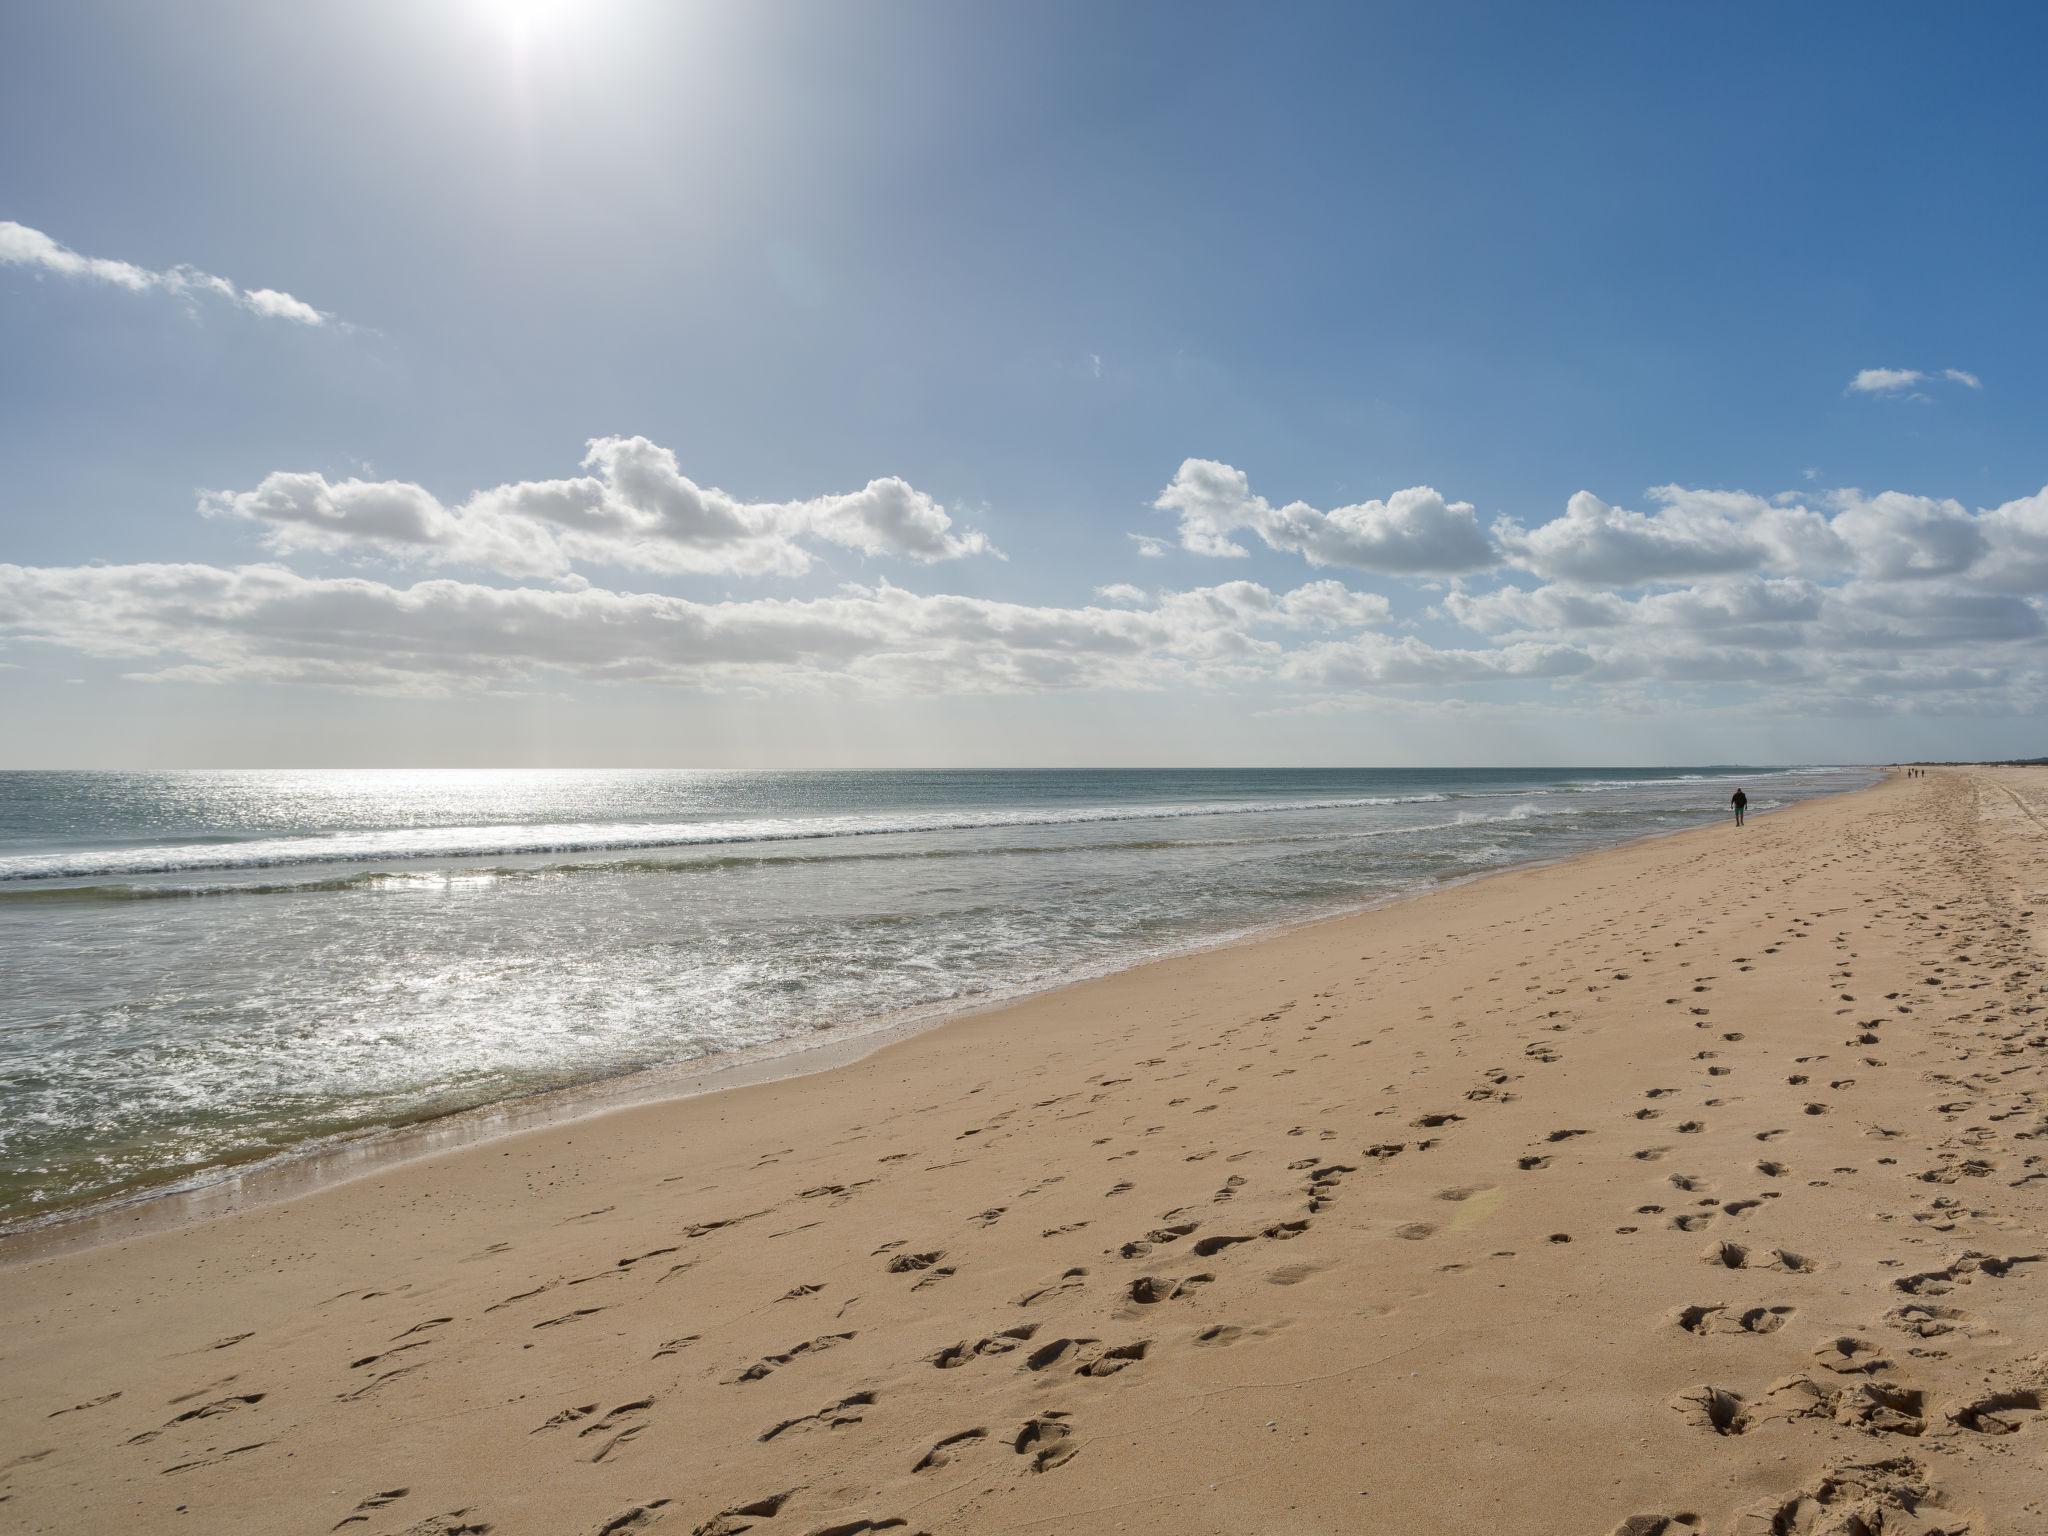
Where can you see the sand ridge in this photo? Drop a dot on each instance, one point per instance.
(1694, 1186)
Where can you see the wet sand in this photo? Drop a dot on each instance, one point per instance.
(1699, 1183)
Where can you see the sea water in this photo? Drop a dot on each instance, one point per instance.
(202, 969)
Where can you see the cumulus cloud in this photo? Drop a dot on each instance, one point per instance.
(1897, 616)
(1690, 535)
(1837, 602)
(1749, 604)
(633, 509)
(268, 624)
(2016, 546)
(1685, 535)
(1894, 536)
(1603, 545)
(21, 246)
(1414, 532)
(1830, 644)
(1377, 660)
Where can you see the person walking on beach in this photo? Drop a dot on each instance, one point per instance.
(1741, 803)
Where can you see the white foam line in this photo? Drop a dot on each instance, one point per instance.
(479, 842)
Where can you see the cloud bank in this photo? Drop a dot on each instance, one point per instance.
(267, 624)
(1829, 604)
(1688, 534)
(21, 246)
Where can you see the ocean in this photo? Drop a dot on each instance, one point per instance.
(201, 970)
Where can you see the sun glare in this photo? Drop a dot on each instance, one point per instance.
(523, 24)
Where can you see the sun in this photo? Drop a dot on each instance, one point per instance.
(523, 22)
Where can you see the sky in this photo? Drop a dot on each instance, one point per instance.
(509, 382)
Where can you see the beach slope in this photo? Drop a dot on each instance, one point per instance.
(1694, 1186)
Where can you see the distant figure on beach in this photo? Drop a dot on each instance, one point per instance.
(1741, 803)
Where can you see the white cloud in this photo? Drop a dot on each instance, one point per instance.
(1918, 616)
(2016, 540)
(267, 624)
(1743, 604)
(1885, 381)
(636, 510)
(1376, 660)
(1695, 534)
(1846, 604)
(21, 246)
(1829, 645)
(1896, 381)
(1746, 604)
(1595, 544)
(282, 306)
(1687, 535)
(1414, 532)
(1894, 536)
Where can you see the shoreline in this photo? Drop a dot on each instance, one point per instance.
(309, 1167)
(1693, 1185)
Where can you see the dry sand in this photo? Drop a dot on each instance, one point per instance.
(1699, 1184)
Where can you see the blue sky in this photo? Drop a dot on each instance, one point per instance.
(1020, 263)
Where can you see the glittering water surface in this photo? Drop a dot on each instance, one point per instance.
(198, 969)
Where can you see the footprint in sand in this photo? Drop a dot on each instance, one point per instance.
(1999, 1413)
(1716, 1318)
(375, 1501)
(1848, 1355)
(946, 1450)
(1713, 1408)
(1047, 1439)
(848, 1410)
(1926, 1320)
(1070, 1280)
(956, 1355)
(1961, 1270)
(1139, 1247)
(1737, 1256)
(771, 1363)
(1147, 1290)
(736, 1518)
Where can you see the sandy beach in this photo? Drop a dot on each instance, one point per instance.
(1694, 1186)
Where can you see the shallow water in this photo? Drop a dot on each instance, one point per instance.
(199, 969)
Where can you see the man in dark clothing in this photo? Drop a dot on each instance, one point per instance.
(1741, 803)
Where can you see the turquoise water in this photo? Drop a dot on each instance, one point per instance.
(201, 969)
